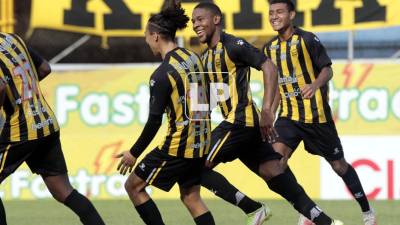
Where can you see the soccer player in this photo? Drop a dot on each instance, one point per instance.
(179, 159)
(305, 115)
(228, 60)
(30, 133)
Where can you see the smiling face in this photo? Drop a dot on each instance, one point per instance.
(280, 17)
(204, 24)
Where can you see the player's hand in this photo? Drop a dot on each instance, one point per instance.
(267, 129)
(308, 91)
(127, 162)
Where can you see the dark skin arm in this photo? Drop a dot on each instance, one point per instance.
(267, 114)
(324, 76)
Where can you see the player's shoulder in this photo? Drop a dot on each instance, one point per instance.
(307, 35)
(161, 71)
(232, 41)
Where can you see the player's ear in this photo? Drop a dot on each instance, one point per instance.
(217, 20)
(156, 37)
(292, 14)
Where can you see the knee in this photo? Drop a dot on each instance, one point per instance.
(131, 189)
(270, 169)
(61, 195)
(340, 167)
(190, 200)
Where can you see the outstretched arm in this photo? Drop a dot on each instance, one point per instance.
(160, 92)
(149, 132)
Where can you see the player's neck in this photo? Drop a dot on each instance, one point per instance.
(167, 47)
(286, 33)
(215, 38)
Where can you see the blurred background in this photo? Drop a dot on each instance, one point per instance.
(101, 66)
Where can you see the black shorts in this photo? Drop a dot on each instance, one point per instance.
(43, 156)
(319, 139)
(163, 171)
(230, 142)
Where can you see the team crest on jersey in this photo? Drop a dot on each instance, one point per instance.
(152, 83)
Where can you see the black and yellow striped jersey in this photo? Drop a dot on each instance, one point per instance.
(189, 129)
(229, 62)
(25, 111)
(299, 60)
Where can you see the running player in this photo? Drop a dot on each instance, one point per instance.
(305, 115)
(228, 60)
(179, 159)
(30, 133)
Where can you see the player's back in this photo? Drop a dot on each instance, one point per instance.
(26, 113)
(189, 128)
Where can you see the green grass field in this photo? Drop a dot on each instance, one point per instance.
(121, 212)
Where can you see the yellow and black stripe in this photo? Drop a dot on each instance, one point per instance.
(222, 67)
(27, 114)
(297, 66)
(187, 136)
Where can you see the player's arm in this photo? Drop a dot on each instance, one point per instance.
(276, 102)
(322, 63)
(42, 66)
(244, 54)
(160, 90)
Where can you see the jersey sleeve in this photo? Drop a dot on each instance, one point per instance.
(244, 54)
(317, 51)
(160, 91)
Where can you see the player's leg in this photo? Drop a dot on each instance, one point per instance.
(353, 183)
(193, 202)
(61, 190)
(225, 139)
(288, 139)
(265, 162)
(11, 157)
(284, 183)
(48, 161)
(189, 185)
(323, 139)
(159, 170)
(221, 187)
(145, 206)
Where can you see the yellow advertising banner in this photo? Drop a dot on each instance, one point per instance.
(125, 18)
(102, 112)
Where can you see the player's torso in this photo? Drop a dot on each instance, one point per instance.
(27, 115)
(295, 70)
(237, 106)
(189, 126)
